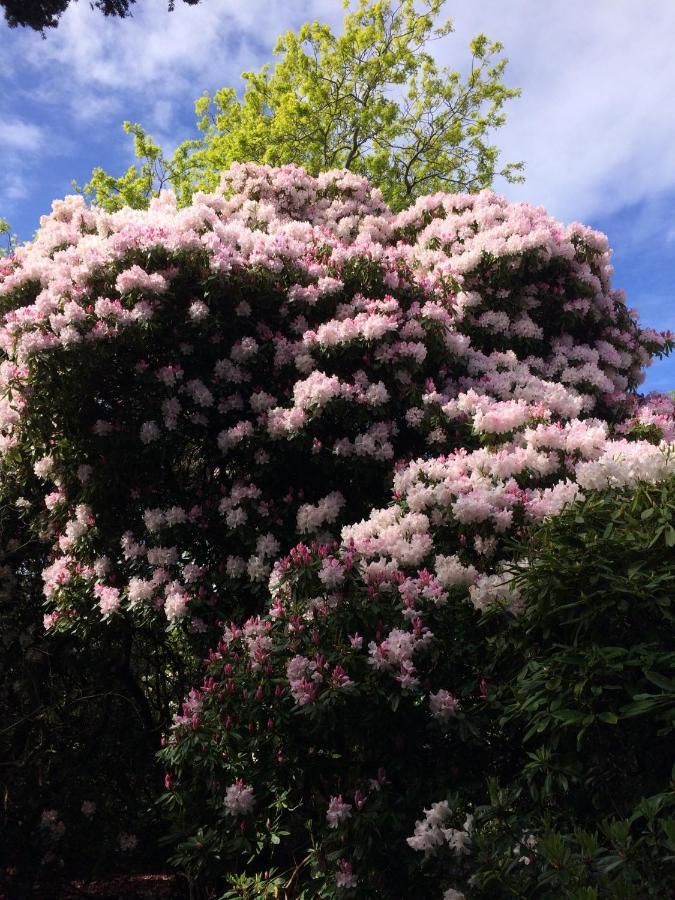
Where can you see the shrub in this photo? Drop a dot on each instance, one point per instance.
(187, 393)
(588, 692)
(77, 740)
(338, 743)
(264, 373)
(371, 660)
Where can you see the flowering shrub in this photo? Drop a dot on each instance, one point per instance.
(76, 745)
(264, 356)
(186, 394)
(312, 728)
(321, 728)
(371, 660)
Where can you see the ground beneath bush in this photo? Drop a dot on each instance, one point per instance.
(161, 886)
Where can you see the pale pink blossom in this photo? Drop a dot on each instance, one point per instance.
(338, 812)
(239, 798)
(443, 705)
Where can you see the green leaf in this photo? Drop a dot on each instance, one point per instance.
(609, 718)
(667, 684)
(568, 716)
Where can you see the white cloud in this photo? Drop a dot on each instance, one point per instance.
(159, 55)
(162, 114)
(19, 135)
(22, 145)
(14, 187)
(20, 142)
(593, 122)
(185, 48)
(598, 79)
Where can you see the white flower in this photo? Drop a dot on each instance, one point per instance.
(338, 811)
(239, 798)
(43, 467)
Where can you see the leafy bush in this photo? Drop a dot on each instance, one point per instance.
(589, 694)
(371, 660)
(185, 394)
(78, 738)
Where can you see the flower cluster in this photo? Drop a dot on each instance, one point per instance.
(433, 832)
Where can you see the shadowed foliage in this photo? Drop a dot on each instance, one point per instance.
(41, 14)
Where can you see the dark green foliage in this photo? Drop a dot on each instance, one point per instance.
(81, 721)
(587, 687)
(41, 14)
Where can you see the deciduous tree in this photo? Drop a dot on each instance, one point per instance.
(372, 100)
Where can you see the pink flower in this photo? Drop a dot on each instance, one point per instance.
(239, 799)
(345, 877)
(443, 705)
(331, 573)
(303, 678)
(135, 279)
(108, 599)
(339, 678)
(316, 391)
(338, 811)
(198, 310)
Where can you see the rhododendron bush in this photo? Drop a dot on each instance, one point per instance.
(218, 381)
(76, 743)
(289, 425)
(371, 660)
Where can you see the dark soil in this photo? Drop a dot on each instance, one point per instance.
(122, 887)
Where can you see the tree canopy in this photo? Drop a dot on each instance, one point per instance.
(372, 100)
(41, 14)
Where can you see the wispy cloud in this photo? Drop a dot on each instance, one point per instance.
(14, 187)
(19, 135)
(593, 124)
(156, 55)
(20, 143)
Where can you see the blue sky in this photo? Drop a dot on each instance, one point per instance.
(594, 124)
